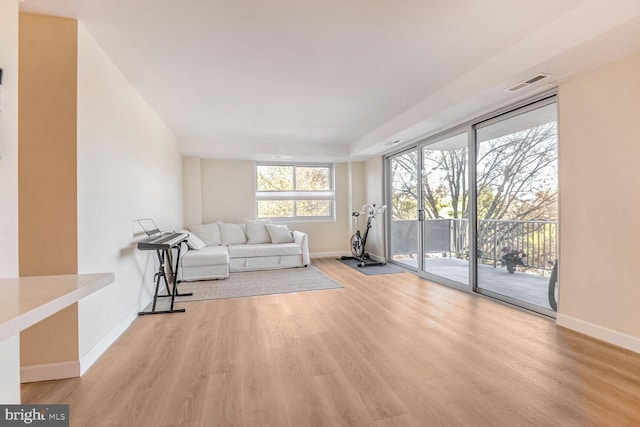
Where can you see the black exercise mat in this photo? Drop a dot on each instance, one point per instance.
(370, 270)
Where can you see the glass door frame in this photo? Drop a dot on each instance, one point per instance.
(521, 107)
(471, 204)
(388, 190)
(483, 124)
(419, 147)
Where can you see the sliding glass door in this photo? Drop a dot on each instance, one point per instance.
(517, 205)
(477, 208)
(429, 201)
(445, 208)
(403, 204)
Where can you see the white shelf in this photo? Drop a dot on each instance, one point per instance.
(25, 301)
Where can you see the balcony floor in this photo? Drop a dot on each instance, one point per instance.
(527, 287)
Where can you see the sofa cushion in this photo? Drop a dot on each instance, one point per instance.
(209, 233)
(257, 232)
(209, 255)
(268, 249)
(264, 263)
(279, 233)
(232, 234)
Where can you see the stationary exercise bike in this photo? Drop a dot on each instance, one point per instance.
(358, 241)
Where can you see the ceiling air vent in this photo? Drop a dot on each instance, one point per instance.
(519, 86)
(393, 142)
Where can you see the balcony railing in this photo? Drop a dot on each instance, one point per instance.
(537, 239)
(450, 237)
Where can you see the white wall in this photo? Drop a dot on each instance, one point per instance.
(128, 168)
(600, 203)
(375, 194)
(228, 190)
(9, 348)
(9, 139)
(192, 190)
(358, 190)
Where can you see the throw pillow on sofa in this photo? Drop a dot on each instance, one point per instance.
(193, 241)
(257, 232)
(232, 234)
(208, 233)
(279, 233)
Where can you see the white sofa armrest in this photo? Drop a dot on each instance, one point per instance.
(184, 248)
(301, 239)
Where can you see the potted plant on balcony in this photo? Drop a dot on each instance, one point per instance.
(512, 257)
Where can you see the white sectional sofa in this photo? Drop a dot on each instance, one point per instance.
(214, 250)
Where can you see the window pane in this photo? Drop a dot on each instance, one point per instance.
(445, 230)
(517, 206)
(275, 208)
(312, 178)
(313, 208)
(404, 209)
(295, 191)
(275, 178)
(404, 187)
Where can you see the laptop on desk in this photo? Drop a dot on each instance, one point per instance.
(149, 226)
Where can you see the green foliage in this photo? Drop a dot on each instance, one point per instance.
(275, 178)
(281, 178)
(512, 255)
(404, 186)
(291, 208)
(520, 171)
(312, 179)
(515, 178)
(404, 206)
(275, 209)
(313, 208)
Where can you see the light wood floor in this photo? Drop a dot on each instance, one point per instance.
(392, 350)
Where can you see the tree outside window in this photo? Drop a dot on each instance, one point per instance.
(295, 191)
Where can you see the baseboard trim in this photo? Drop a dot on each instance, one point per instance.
(90, 357)
(338, 254)
(601, 333)
(50, 371)
(335, 254)
(378, 258)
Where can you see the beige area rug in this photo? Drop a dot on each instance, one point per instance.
(256, 283)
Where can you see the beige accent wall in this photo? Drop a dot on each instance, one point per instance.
(47, 145)
(599, 151)
(47, 174)
(53, 340)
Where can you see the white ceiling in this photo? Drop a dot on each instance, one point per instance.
(338, 79)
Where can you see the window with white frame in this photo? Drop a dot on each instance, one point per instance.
(287, 191)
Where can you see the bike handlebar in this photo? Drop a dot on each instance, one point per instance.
(370, 210)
